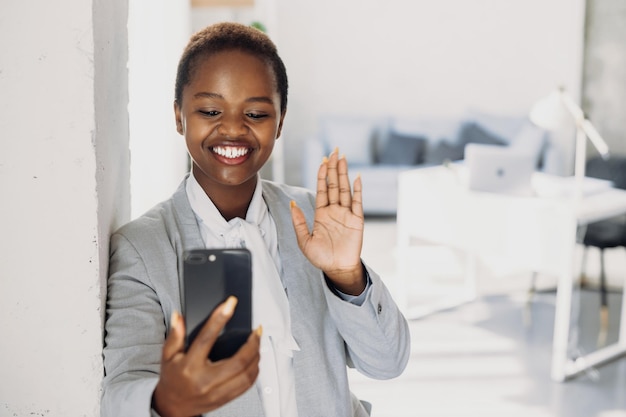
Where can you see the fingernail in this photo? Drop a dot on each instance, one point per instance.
(343, 156)
(229, 306)
(292, 204)
(174, 320)
(336, 150)
(325, 160)
(259, 331)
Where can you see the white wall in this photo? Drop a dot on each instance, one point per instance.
(63, 181)
(421, 58)
(158, 32)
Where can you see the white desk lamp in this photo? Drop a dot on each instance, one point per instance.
(549, 113)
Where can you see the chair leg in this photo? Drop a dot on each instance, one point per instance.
(604, 305)
(582, 279)
(526, 313)
(531, 288)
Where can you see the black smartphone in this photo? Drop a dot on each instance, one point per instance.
(210, 276)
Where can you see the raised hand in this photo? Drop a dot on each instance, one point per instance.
(190, 384)
(334, 245)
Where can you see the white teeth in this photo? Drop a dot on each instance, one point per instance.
(230, 151)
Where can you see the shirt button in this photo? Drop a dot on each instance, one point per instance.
(380, 309)
(267, 390)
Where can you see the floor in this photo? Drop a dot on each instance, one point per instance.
(492, 357)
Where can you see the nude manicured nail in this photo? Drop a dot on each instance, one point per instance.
(174, 320)
(229, 306)
(259, 330)
(292, 204)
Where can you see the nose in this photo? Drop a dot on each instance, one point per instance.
(232, 125)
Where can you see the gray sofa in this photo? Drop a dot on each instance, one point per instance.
(379, 148)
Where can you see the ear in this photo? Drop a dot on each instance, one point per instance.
(179, 118)
(280, 125)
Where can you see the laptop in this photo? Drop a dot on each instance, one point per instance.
(499, 169)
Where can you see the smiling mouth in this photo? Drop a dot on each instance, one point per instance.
(231, 152)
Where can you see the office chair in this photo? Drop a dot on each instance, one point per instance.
(605, 234)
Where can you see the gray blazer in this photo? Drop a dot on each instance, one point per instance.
(144, 288)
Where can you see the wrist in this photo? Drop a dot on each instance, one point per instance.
(350, 282)
(158, 404)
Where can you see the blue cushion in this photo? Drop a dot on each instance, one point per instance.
(444, 151)
(403, 150)
(473, 133)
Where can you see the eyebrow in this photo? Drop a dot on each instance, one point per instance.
(208, 95)
(261, 99)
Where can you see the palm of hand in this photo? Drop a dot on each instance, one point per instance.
(336, 239)
(334, 245)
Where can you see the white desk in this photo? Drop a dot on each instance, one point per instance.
(507, 233)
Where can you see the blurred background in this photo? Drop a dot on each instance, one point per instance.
(398, 58)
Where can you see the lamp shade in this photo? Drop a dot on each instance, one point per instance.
(554, 110)
(549, 112)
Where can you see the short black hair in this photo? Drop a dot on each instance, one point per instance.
(228, 36)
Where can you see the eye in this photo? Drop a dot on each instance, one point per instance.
(255, 115)
(209, 113)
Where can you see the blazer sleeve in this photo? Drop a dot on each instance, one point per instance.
(376, 334)
(135, 331)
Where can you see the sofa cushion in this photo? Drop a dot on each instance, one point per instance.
(444, 151)
(353, 137)
(432, 128)
(401, 149)
(473, 133)
(503, 126)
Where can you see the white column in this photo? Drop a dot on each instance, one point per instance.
(64, 185)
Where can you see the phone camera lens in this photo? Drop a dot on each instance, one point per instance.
(196, 258)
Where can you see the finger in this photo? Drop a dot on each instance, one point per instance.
(321, 197)
(175, 341)
(201, 346)
(345, 196)
(332, 178)
(230, 389)
(299, 225)
(357, 197)
(236, 374)
(248, 352)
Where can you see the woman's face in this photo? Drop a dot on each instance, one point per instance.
(230, 118)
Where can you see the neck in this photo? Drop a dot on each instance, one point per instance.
(230, 200)
(231, 211)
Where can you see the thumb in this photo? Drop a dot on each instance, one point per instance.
(175, 341)
(299, 225)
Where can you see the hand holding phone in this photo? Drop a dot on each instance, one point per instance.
(191, 385)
